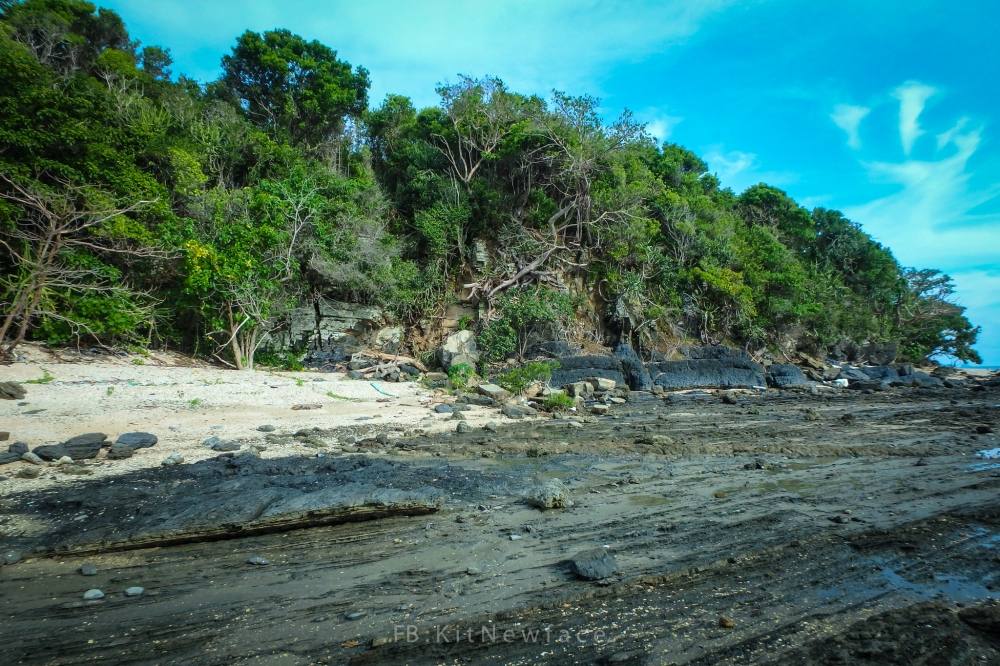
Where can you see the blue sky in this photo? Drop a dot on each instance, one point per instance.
(889, 111)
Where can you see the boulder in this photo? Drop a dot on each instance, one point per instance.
(517, 411)
(494, 392)
(137, 440)
(119, 451)
(581, 368)
(602, 384)
(80, 447)
(549, 495)
(708, 373)
(881, 353)
(594, 564)
(783, 375)
(881, 372)
(579, 389)
(459, 347)
(11, 391)
(635, 373)
(389, 339)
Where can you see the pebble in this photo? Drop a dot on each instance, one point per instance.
(32, 458)
(134, 591)
(88, 569)
(173, 459)
(463, 426)
(266, 428)
(726, 622)
(29, 472)
(355, 615)
(258, 560)
(93, 595)
(490, 427)
(10, 557)
(65, 460)
(444, 409)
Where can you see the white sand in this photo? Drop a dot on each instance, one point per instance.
(182, 403)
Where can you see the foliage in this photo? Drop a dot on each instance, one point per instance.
(517, 380)
(460, 374)
(558, 401)
(520, 314)
(277, 186)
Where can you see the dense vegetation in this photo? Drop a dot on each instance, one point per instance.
(140, 208)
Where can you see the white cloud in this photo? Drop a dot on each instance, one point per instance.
(848, 118)
(952, 133)
(912, 97)
(740, 169)
(659, 126)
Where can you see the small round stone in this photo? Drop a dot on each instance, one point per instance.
(93, 595)
(134, 591)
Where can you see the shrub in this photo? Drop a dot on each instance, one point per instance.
(460, 374)
(522, 312)
(559, 402)
(517, 380)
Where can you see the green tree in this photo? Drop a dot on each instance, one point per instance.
(295, 88)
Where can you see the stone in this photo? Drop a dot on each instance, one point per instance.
(463, 426)
(459, 347)
(307, 406)
(726, 622)
(840, 382)
(388, 339)
(19, 448)
(29, 472)
(636, 375)
(80, 447)
(494, 392)
(444, 409)
(11, 391)
(10, 557)
(517, 411)
(586, 367)
(88, 569)
(582, 389)
(784, 375)
(173, 459)
(9, 457)
(134, 591)
(600, 409)
(226, 445)
(258, 560)
(549, 495)
(119, 451)
(4, 435)
(32, 458)
(65, 460)
(490, 427)
(266, 428)
(355, 615)
(602, 384)
(594, 564)
(93, 595)
(137, 440)
(733, 372)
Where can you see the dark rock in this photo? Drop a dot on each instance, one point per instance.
(258, 560)
(983, 429)
(306, 406)
(463, 426)
(137, 440)
(266, 428)
(851, 374)
(517, 411)
(88, 569)
(10, 557)
(80, 447)
(554, 349)
(882, 353)
(881, 372)
(708, 373)
(783, 375)
(716, 353)
(355, 374)
(9, 457)
(225, 445)
(4, 436)
(11, 391)
(120, 451)
(579, 368)
(472, 399)
(444, 409)
(594, 564)
(636, 375)
(18, 447)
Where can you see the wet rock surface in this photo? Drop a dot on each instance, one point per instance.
(712, 511)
